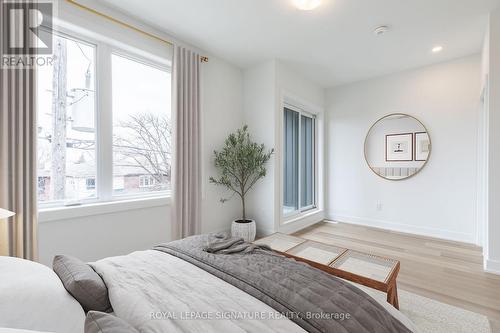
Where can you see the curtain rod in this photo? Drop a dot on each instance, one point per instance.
(126, 25)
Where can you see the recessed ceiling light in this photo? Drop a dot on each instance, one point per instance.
(437, 49)
(306, 4)
(381, 30)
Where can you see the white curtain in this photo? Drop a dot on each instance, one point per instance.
(18, 162)
(187, 155)
(18, 191)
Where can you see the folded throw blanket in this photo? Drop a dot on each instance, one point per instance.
(225, 244)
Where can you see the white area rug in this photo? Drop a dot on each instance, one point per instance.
(435, 317)
(431, 316)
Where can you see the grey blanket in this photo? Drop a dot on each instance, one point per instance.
(224, 244)
(313, 299)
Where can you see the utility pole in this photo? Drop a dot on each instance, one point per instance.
(59, 92)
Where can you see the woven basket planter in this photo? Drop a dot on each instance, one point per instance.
(246, 230)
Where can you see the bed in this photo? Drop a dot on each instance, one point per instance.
(182, 286)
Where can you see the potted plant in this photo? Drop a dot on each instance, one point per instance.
(241, 163)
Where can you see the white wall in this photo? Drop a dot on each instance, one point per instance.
(265, 88)
(441, 200)
(222, 91)
(483, 150)
(133, 227)
(69, 16)
(308, 92)
(492, 67)
(259, 102)
(92, 237)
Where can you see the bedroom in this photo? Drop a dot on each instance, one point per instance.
(380, 157)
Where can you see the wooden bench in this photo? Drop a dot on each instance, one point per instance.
(372, 271)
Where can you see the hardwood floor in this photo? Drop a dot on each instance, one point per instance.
(447, 271)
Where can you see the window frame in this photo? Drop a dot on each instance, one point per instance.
(301, 210)
(103, 108)
(92, 184)
(314, 162)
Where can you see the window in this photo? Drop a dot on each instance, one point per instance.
(42, 188)
(306, 161)
(141, 126)
(105, 134)
(90, 183)
(66, 126)
(147, 181)
(299, 165)
(291, 162)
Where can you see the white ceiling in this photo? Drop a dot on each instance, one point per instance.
(331, 45)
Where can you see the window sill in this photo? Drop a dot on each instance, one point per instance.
(63, 213)
(299, 216)
(302, 220)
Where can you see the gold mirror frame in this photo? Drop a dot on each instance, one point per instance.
(390, 115)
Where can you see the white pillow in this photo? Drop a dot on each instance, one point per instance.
(33, 298)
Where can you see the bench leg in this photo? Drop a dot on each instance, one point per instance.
(392, 296)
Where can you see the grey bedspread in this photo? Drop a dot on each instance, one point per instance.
(313, 299)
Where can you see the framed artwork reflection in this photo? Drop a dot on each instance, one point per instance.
(422, 146)
(399, 147)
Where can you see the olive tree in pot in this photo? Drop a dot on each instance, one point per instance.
(241, 163)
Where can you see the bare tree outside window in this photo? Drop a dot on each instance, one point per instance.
(147, 145)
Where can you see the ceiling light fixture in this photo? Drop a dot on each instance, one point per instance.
(381, 30)
(306, 4)
(437, 49)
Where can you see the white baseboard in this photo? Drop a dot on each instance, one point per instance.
(404, 228)
(492, 266)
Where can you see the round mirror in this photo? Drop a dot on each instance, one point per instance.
(397, 146)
